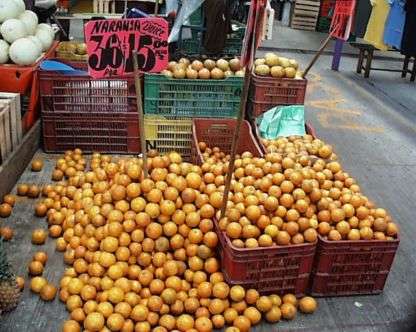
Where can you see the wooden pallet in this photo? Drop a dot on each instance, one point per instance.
(305, 14)
(104, 6)
(109, 6)
(10, 124)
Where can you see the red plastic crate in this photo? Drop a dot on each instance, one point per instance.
(18, 79)
(351, 267)
(81, 93)
(277, 269)
(24, 80)
(67, 4)
(345, 7)
(93, 114)
(326, 7)
(107, 133)
(219, 132)
(268, 92)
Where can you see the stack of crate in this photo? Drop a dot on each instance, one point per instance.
(24, 81)
(10, 124)
(96, 115)
(305, 14)
(171, 104)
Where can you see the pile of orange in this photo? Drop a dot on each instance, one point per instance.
(72, 163)
(6, 209)
(38, 284)
(142, 252)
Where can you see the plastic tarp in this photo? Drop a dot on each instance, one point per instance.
(282, 121)
(188, 7)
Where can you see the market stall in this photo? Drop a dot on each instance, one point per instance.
(185, 192)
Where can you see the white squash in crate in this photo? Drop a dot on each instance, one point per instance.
(24, 52)
(46, 27)
(45, 38)
(30, 21)
(12, 30)
(9, 9)
(21, 5)
(37, 42)
(4, 51)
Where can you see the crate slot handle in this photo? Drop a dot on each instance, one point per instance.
(218, 127)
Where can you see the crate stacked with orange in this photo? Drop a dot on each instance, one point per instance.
(187, 89)
(275, 81)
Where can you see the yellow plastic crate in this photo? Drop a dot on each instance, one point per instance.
(169, 134)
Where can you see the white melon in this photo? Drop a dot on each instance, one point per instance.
(37, 42)
(46, 27)
(21, 4)
(8, 9)
(45, 38)
(4, 51)
(30, 20)
(24, 52)
(13, 29)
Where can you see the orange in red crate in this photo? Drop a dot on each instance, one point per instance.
(309, 129)
(219, 133)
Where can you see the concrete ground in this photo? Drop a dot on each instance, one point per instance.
(371, 125)
(286, 39)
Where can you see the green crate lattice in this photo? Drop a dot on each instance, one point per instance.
(192, 98)
(233, 44)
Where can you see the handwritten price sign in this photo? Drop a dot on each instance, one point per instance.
(110, 45)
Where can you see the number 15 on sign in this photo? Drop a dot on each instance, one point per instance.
(110, 45)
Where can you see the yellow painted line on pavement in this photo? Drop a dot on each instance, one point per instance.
(373, 99)
(332, 114)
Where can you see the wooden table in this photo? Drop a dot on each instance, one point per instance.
(366, 56)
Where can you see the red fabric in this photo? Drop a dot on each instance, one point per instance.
(342, 20)
(253, 31)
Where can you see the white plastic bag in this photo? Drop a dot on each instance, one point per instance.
(188, 7)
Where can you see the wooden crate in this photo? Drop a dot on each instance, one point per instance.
(10, 124)
(109, 6)
(104, 7)
(305, 14)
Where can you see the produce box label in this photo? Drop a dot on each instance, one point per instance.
(110, 45)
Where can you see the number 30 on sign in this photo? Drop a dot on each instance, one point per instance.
(110, 45)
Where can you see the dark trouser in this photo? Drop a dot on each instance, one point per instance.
(44, 14)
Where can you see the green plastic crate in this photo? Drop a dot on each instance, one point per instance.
(196, 17)
(233, 44)
(323, 24)
(192, 98)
